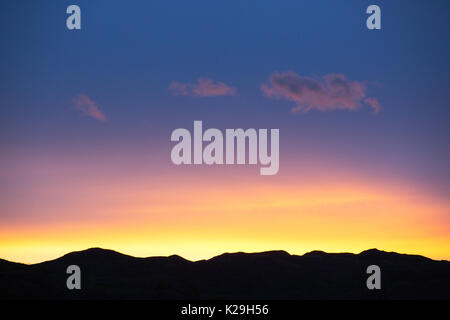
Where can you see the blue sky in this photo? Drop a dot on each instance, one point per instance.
(86, 117)
(126, 56)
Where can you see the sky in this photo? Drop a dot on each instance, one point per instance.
(86, 118)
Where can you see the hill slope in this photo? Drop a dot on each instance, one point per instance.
(107, 274)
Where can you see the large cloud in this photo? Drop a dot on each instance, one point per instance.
(205, 87)
(83, 103)
(332, 92)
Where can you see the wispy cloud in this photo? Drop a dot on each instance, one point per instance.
(205, 87)
(373, 103)
(83, 103)
(331, 92)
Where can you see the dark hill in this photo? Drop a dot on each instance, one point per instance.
(107, 274)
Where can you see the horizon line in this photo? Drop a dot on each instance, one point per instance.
(218, 255)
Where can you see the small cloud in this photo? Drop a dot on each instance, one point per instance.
(374, 104)
(205, 87)
(331, 92)
(83, 103)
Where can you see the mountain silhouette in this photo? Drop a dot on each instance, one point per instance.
(107, 274)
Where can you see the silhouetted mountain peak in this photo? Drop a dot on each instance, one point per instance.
(177, 258)
(316, 253)
(108, 274)
(380, 254)
(95, 252)
(236, 256)
(92, 255)
(373, 251)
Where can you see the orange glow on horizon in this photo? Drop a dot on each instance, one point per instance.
(202, 218)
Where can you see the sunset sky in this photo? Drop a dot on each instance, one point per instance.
(86, 117)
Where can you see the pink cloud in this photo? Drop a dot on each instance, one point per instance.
(205, 87)
(83, 103)
(332, 92)
(374, 104)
